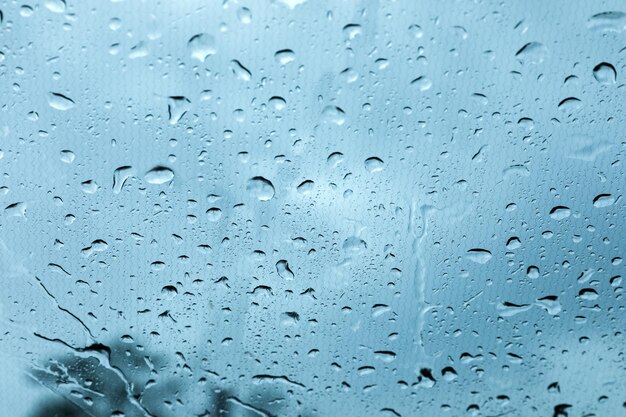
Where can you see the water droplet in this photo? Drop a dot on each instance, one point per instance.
(478, 255)
(560, 212)
(278, 103)
(532, 53)
(214, 214)
(570, 104)
(550, 304)
(177, 106)
(240, 71)
(374, 164)
(159, 175)
(292, 4)
(282, 267)
(201, 46)
(334, 114)
(89, 186)
(60, 102)
(306, 187)
(169, 292)
(605, 73)
(285, 56)
(422, 83)
(607, 22)
(588, 294)
(55, 6)
(508, 309)
(354, 244)
(335, 159)
(67, 156)
(120, 175)
(532, 272)
(352, 30)
(244, 15)
(16, 210)
(261, 188)
(603, 200)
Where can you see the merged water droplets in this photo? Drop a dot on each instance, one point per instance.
(177, 107)
(120, 176)
(282, 267)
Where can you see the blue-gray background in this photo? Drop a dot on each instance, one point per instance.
(314, 208)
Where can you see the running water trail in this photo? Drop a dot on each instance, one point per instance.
(415, 286)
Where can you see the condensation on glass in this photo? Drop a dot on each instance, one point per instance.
(312, 208)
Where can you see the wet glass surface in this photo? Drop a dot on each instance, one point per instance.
(312, 208)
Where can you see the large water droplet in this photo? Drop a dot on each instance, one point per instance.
(422, 83)
(261, 188)
(374, 164)
(285, 56)
(159, 175)
(560, 212)
(352, 30)
(55, 6)
(605, 73)
(60, 102)
(201, 46)
(607, 22)
(177, 106)
(603, 200)
(282, 267)
(120, 175)
(478, 255)
(532, 53)
(334, 114)
(240, 71)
